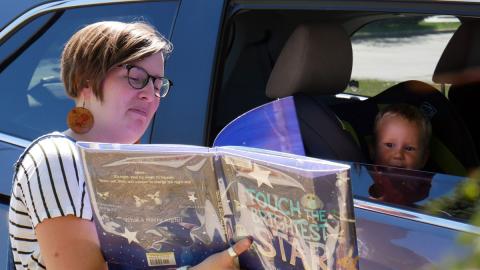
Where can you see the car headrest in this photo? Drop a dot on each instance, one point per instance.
(316, 59)
(460, 61)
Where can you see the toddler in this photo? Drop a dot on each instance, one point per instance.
(402, 137)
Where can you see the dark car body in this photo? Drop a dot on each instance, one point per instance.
(224, 52)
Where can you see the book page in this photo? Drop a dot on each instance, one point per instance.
(300, 218)
(155, 210)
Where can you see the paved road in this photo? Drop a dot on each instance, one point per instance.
(398, 59)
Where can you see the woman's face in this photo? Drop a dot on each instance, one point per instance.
(125, 112)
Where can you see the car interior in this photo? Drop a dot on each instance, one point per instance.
(458, 66)
(309, 67)
(308, 55)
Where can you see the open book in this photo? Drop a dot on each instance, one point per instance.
(163, 206)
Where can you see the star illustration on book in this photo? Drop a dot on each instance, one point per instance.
(139, 201)
(261, 176)
(131, 236)
(155, 197)
(258, 174)
(191, 196)
(207, 230)
(103, 195)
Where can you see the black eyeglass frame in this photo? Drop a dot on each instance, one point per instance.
(158, 92)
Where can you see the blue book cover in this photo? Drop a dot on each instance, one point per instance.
(155, 207)
(298, 210)
(301, 219)
(164, 206)
(272, 126)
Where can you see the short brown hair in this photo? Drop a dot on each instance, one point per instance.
(95, 49)
(410, 113)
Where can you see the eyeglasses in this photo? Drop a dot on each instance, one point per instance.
(138, 78)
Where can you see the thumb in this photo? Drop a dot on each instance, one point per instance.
(243, 245)
(223, 260)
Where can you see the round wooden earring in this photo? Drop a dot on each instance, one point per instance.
(80, 120)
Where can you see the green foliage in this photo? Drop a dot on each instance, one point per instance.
(439, 26)
(460, 205)
(464, 203)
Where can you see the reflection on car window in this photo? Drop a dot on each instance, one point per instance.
(34, 101)
(10, 46)
(399, 186)
(387, 52)
(432, 193)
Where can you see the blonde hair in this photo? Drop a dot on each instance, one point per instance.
(409, 113)
(95, 49)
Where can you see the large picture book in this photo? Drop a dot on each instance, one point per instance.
(164, 206)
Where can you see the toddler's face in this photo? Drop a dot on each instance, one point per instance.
(399, 144)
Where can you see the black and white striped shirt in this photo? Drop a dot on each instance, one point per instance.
(48, 183)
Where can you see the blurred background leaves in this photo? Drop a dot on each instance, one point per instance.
(464, 204)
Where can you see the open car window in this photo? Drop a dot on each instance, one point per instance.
(438, 194)
(394, 58)
(387, 52)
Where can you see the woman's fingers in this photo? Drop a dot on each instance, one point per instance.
(224, 260)
(243, 245)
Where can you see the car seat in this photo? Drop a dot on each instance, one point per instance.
(465, 99)
(316, 61)
(459, 66)
(451, 148)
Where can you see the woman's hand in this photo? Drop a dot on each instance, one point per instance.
(222, 260)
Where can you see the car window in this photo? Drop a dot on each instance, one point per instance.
(13, 45)
(34, 101)
(386, 52)
(447, 196)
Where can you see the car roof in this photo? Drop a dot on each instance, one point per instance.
(9, 12)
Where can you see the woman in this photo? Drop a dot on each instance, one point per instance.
(115, 73)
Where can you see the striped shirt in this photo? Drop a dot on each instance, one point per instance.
(48, 183)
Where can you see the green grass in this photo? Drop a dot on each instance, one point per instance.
(404, 27)
(370, 88)
(440, 26)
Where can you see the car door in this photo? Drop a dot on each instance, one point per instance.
(33, 99)
(390, 235)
